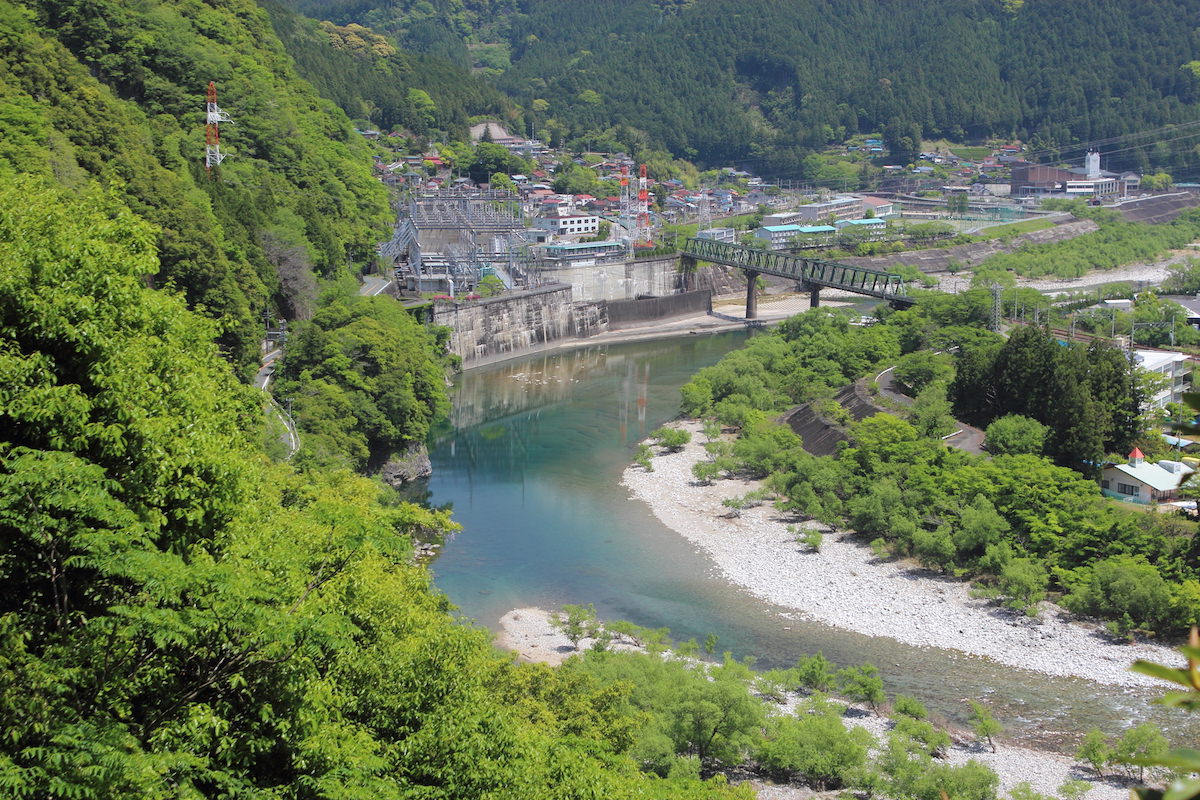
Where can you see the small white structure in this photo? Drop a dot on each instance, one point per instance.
(727, 235)
(568, 224)
(1139, 482)
(1172, 367)
(884, 209)
(873, 227)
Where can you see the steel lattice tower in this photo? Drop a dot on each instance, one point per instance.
(212, 135)
(643, 206)
(626, 212)
(705, 221)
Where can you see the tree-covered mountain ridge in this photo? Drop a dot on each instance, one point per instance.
(180, 615)
(761, 83)
(110, 92)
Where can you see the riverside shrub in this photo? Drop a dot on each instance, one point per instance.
(907, 493)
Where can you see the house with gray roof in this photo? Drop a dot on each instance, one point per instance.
(1139, 482)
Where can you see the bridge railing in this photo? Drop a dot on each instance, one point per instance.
(799, 268)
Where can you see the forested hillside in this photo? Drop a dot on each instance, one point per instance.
(99, 91)
(181, 616)
(763, 83)
(370, 79)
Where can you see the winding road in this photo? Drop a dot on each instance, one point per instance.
(965, 437)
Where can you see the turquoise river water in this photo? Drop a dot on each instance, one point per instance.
(532, 471)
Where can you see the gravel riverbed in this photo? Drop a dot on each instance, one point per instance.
(845, 586)
(529, 633)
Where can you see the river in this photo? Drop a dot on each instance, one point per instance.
(531, 468)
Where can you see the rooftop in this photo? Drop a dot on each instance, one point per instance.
(1157, 359)
(584, 245)
(1163, 476)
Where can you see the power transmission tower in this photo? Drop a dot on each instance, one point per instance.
(996, 308)
(212, 135)
(705, 221)
(643, 206)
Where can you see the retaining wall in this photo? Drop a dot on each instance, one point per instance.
(525, 322)
(509, 325)
(619, 280)
(625, 313)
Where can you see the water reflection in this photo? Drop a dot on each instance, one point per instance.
(533, 468)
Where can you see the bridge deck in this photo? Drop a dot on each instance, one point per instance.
(810, 272)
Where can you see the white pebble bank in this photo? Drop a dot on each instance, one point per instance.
(845, 586)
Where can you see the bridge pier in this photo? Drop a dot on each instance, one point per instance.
(751, 294)
(810, 274)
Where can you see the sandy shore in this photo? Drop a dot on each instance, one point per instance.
(846, 587)
(528, 632)
(1154, 272)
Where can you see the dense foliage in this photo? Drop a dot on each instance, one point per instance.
(363, 381)
(394, 89)
(182, 618)
(1116, 244)
(692, 717)
(109, 92)
(766, 83)
(1017, 522)
(1087, 397)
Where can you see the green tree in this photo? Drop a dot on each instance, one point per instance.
(921, 368)
(1126, 589)
(1023, 581)
(671, 439)
(1142, 743)
(930, 412)
(577, 623)
(815, 672)
(490, 286)
(984, 724)
(816, 746)
(862, 684)
(1014, 434)
(1095, 751)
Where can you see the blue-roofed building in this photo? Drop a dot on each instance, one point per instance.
(874, 227)
(777, 237)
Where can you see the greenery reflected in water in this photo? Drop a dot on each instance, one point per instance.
(532, 465)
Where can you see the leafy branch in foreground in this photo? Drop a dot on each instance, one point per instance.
(1183, 761)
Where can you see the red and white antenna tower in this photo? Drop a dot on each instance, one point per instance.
(212, 136)
(643, 206)
(626, 213)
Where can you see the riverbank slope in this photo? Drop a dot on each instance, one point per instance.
(528, 632)
(845, 586)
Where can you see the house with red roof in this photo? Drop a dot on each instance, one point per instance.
(1137, 481)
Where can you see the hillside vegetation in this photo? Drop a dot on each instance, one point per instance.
(181, 616)
(764, 83)
(98, 91)
(1020, 522)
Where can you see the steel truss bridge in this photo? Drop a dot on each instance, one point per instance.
(810, 274)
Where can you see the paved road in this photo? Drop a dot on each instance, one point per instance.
(261, 380)
(373, 285)
(965, 437)
(887, 387)
(267, 370)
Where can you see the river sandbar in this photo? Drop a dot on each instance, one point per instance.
(845, 586)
